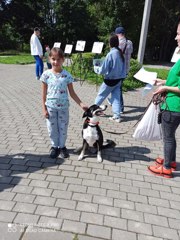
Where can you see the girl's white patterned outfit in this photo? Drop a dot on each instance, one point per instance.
(57, 103)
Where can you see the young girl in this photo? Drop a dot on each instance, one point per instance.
(113, 69)
(55, 83)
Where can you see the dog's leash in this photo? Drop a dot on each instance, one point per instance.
(156, 99)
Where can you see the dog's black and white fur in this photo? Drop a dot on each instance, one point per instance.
(91, 133)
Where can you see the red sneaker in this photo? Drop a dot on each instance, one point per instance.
(160, 161)
(159, 170)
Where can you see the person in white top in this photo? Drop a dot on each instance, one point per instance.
(37, 52)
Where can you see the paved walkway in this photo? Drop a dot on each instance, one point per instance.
(44, 199)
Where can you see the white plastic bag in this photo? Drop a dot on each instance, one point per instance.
(148, 128)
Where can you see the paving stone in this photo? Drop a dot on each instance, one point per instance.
(146, 208)
(132, 215)
(47, 201)
(26, 219)
(25, 207)
(42, 191)
(47, 211)
(115, 222)
(7, 216)
(124, 204)
(87, 207)
(139, 227)
(62, 194)
(49, 222)
(75, 227)
(69, 214)
(158, 202)
(107, 210)
(82, 197)
(123, 235)
(46, 234)
(156, 220)
(165, 233)
(99, 231)
(92, 218)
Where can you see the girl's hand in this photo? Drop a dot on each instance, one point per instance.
(83, 106)
(46, 114)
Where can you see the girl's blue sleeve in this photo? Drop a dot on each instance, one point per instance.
(106, 66)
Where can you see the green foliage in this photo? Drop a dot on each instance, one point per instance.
(130, 82)
(67, 21)
(85, 65)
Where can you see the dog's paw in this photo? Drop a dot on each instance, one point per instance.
(80, 157)
(99, 159)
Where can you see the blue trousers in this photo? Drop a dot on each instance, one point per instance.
(39, 65)
(121, 97)
(57, 125)
(104, 91)
(170, 122)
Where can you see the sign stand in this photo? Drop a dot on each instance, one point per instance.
(80, 45)
(97, 62)
(67, 52)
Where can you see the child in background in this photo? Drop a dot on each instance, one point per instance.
(46, 55)
(56, 83)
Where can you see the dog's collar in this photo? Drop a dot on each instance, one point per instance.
(94, 123)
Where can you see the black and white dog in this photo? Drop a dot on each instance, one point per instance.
(91, 133)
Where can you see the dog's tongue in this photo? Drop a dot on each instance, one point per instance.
(100, 113)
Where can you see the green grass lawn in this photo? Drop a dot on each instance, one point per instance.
(22, 58)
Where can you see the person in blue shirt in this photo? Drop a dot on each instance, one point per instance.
(114, 71)
(57, 85)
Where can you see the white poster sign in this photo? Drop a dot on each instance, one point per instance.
(57, 44)
(68, 49)
(97, 47)
(80, 45)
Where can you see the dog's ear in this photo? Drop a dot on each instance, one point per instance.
(84, 114)
(87, 113)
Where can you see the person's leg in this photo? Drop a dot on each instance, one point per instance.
(116, 101)
(170, 122)
(37, 66)
(63, 121)
(104, 91)
(49, 65)
(121, 97)
(52, 126)
(41, 66)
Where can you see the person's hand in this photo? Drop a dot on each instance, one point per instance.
(84, 107)
(41, 56)
(160, 90)
(159, 82)
(46, 114)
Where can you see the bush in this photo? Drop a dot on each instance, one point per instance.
(85, 65)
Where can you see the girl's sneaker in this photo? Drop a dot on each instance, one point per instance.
(54, 152)
(118, 120)
(64, 152)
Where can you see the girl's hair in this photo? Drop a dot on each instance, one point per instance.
(59, 51)
(114, 42)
